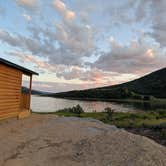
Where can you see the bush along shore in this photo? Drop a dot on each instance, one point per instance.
(150, 123)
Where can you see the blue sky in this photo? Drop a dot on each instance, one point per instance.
(78, 44)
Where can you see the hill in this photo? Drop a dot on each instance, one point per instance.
(153, 84)
(34, 92)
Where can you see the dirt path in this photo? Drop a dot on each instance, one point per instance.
(47, 140)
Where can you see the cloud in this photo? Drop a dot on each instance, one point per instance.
(150, 13)
(95, 76)
(75, 45)
(112, 67)
(27, 4)
(159, 21)
(71, 34)
(27, 17)
(38, 63)
(75, 72)
(42, 47)
(67, 14)
(153, 13)
(31, 44)
(46, 66)
(29, 58)
(74, 37)
(60, 87)
(138, 57)
(6, 37)
(62, 44)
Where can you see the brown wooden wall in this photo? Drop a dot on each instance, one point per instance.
(25, 101)
(10, 91)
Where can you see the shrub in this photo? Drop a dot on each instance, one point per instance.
(109, 112)
(77, 109)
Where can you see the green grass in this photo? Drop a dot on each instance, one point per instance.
(124, 120)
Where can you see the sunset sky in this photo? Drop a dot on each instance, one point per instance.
(79, 44)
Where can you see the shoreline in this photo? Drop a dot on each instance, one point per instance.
(127, 100)
(98, 99)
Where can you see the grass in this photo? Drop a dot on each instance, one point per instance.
(124, 120)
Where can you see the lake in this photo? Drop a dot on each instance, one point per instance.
(49, 104)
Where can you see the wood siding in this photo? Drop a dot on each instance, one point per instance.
(25, 101)
(10, 91)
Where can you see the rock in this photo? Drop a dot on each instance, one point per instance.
(47, 140)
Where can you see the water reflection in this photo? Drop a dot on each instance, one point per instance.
(48, 104)
(148, 105)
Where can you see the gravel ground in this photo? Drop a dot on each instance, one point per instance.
(47, 140)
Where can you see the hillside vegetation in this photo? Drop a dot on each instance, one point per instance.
(151, 85)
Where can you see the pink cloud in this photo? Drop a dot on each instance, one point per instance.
(63, 10)
(28, 4)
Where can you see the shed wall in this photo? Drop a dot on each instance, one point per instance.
(10, 91)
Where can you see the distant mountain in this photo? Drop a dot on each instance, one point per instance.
(34, 92)
(153, 84)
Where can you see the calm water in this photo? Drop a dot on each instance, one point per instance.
(48, 104)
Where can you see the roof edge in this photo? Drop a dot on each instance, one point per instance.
(25, 70)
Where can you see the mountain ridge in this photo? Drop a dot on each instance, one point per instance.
(153, 84)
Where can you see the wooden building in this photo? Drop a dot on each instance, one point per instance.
(14, 103)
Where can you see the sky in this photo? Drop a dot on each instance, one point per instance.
(80, 44)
